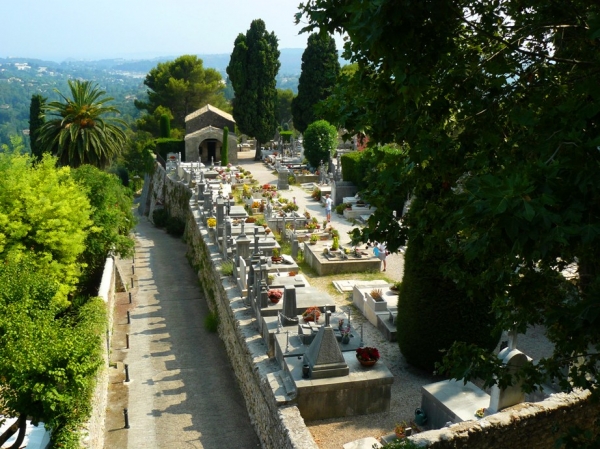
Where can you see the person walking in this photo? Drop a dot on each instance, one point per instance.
(328, 203)
(382, 250)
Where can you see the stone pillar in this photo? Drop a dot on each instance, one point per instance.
(289, 306)
(220, 216)
(242, 244)
(283, 182)
(294, 248)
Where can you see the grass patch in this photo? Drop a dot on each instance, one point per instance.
(227, 268)
(211, 322)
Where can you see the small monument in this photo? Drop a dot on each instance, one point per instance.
(324, 356)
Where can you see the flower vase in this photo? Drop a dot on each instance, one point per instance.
(345, 339)
(367, 362)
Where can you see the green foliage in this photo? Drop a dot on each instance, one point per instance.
(175, 226)
(43, 210)
(320, 139)
(283, 110)
(497, 106)
(252, 70)
(339, 209)
(137, 156)
(211, 322)
(166, 146)
(112, 219)
(181, 87)
(352, 168)
(160, 218)
(227, 268)
(433, 313)
(286, 136)
(320, 68)
(403, 443)
(48, 358)
(165, 126)
(36, 121)
(225, 147)
(82, 129)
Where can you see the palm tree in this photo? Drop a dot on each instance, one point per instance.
(83, 130)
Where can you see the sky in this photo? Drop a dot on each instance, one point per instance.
(57, 30)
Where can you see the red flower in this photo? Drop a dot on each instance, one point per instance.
(367, 353)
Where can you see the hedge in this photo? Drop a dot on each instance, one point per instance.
(166, 146)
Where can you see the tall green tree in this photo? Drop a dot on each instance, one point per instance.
(225, 147)
(499, 108)
(320, 68)
(83, 129)
(36, 121)
(283, 112)
(252, 69)
(43, 210)
(181, 86)
(320, 139)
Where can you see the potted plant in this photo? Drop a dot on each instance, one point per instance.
(314, 239)
(311, 314)
(377, 294)
(211, 222)
(274, 295)
(367, 356)
(311, 226)
(276, 256)
(336, 244)
(345, 331)
(400, 429)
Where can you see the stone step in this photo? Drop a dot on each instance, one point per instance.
(283, 388)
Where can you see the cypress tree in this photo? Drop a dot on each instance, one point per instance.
(252, 69)
(225, 147)
(320, 68)
(36, 120)
(165, 126)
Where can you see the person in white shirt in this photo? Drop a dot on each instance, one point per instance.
(382, 254)
(328, 203)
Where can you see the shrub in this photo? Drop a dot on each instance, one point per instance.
(353, 168)
(166, 146)
(433, 313)
(227, 268)
(320, 138)
(160, 217)
(339, 209)
(175, 226)
(211, 322)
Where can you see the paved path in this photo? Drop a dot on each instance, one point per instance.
(182, 393)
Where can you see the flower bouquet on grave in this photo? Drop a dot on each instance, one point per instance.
(367, 356)
(312, 314)
(274, 295)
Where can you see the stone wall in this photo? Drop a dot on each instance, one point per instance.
(94, 428)
(532, 425)
(278, 427)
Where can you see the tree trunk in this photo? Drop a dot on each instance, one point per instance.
(20, 425)
(257, 154)
(22, 421)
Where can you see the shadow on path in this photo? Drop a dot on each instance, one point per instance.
(182, 392)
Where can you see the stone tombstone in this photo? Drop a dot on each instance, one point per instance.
(324, 356)
(220, 215)
(226, 234)
(513, 359)
(283, 182)
(295, 245)
(242, 244)
(242, 273)
(289, 306)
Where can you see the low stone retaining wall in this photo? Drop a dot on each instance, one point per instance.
(95, 425)
(532, 425)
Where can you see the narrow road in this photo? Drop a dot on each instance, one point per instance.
(182, 391)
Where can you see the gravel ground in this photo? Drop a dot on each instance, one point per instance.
(406, 390)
